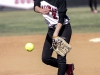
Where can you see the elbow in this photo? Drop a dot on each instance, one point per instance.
(61, 21)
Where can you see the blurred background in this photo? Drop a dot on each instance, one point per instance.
(21, 4)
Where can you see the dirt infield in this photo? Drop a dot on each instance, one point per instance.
(15, 60)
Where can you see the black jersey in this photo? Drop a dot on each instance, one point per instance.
(57, 12)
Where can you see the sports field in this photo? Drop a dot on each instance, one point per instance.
(19, 27)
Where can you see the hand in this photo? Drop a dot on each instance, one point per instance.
(45, 11)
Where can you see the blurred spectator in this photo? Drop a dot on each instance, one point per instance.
(93, 6)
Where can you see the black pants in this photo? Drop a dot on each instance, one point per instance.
(59, 62)
(93, 4)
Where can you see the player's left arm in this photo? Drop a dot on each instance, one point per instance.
(62, 13)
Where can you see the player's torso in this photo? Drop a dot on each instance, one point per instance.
(52, 18)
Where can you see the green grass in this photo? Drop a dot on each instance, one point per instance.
(27, 22)
(21, 23)
(82, 20)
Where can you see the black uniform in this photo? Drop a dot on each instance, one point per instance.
(56, 15)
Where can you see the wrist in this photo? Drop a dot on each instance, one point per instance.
(54, 36)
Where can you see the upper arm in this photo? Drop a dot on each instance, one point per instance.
(62, 5)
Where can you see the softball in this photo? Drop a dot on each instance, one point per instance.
(29, 47)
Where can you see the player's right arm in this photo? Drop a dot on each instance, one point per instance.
(38, 9)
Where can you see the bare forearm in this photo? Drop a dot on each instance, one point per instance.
(58, 27)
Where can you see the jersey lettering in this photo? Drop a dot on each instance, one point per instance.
(54, 11)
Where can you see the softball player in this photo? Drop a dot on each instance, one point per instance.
(54, 13)
(93, 6)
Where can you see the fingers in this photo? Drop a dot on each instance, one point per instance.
(45, 11)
